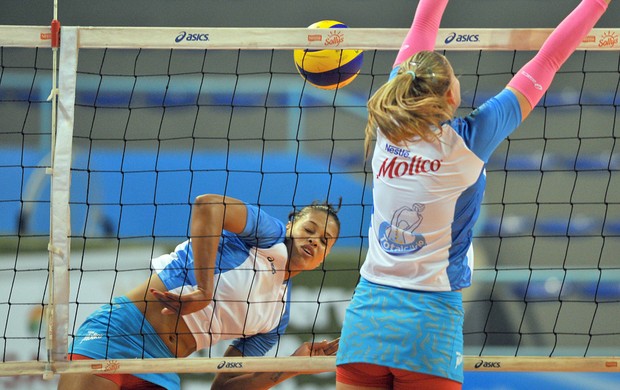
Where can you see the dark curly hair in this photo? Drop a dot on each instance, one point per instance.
(326, 207)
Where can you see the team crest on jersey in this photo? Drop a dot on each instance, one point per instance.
(398, 237)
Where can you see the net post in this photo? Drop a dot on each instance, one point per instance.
(60, 228)
(48, 372)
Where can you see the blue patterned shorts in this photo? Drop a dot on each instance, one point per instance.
(120, 331)
(412, 330)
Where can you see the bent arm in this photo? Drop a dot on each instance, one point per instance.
(211, 214)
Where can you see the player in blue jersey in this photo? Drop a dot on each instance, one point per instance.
(230, 281)
(404, 326)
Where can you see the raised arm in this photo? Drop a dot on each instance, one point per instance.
(424, 28)
(211, 214)
(532, 81)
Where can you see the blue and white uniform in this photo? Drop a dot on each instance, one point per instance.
(427, 197)
(250, 298)
(250, 306)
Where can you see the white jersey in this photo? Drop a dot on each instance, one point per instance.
(251, 299)
(427, 197)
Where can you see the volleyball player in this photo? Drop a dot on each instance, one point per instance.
(403, 327)
(230, 281)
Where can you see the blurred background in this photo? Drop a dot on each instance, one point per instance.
(156, 128)
(293, 13)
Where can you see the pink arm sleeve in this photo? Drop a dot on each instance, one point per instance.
(535, 77)
(423, 31)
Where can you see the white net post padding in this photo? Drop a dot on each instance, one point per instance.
(60, 225)
(76, 38)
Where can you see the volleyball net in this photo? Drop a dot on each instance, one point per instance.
(99, 176)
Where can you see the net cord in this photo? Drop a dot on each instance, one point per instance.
(600, 39)
(300, 365)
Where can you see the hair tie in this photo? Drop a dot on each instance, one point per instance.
(412, 73)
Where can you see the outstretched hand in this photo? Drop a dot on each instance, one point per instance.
(181, 303)
(323, 348)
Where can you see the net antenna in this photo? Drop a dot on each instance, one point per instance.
(112, 114)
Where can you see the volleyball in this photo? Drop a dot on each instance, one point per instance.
(328, 68)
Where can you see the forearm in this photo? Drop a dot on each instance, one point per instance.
(211, 215)
(536, 76)
(266, 380)
(251, 380)
(424, 28)
(206, 229)
(255, 381)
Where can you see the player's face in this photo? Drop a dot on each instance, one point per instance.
(312, 237)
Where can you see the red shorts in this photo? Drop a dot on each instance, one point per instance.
(124, 381)
(372, 375)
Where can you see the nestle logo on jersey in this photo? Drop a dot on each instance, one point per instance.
(394, 168)
(397, 151)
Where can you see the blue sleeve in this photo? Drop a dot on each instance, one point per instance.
(261, 229)
(393, 73)
(260, 344)
(488, 125)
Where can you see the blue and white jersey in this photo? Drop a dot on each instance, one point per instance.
(251, 298)
(427, 197)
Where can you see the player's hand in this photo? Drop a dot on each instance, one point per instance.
(182, 304)
(323, 348)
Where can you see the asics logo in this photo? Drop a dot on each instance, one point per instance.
(191, 37)
(454, 37)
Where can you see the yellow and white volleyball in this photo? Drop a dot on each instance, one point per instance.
(328, 68)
